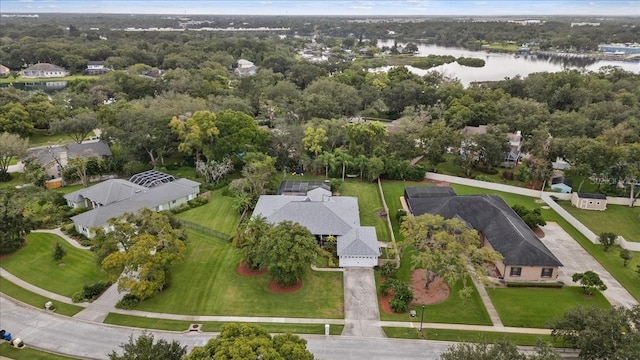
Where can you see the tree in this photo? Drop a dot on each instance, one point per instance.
(590, 282)
(14, 119)
(238, 135)
(249, 341)
(249, 239)
(375, 167)
(14, 225)
(626, 256)
(287, 250)
(11, 146)
(498, 351)
(494, 146)
(611, 333)
(344, 159)
(448, 248)
(361, 162)
(607, 239)
(80, 164)
(197, 132)
(259, 176)
(328, 160)
(532, 218)
(77, 127)
(58, 252)
(314, 140)
(150, 244)
(144, 348)
(213, 170)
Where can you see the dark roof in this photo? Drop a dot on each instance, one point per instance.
(561, 180)
(45, 155)
(95, 63)
(301, 187)
(501, 226)
(592, 196)
(418, 192)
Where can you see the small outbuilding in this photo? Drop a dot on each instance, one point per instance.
(561, 185)
(589, 201)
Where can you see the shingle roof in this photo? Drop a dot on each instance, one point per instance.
(359, 241)
(45, 155)
(592, 196)
(146, 198)
(106, 192)
(428, 191)
(45, 67)
(501, 226)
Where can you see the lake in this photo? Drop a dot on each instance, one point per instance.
(48, 86)
(499, 66)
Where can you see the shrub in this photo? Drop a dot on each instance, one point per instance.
(128, 302)
(482, 178)
(554, 285)
(507, 175)
(335, 184)
(607, 239)
(491, 171)
(77, 297)
(92, 291)
(398, 305)
(199, 201)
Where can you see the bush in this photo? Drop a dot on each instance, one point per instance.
(398, 305)
(90, 292)
(508, 175)
(128, 302)
(554, 285)
(488, 171)
(482, 178)
(77, 297)
(199, 201)
(335, 185)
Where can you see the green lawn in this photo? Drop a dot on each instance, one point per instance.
(43, 137)
(449, 167)
(207, 283)
(16, 179)
(214, 326)
(35, 265)
(619, 219)
(218, 214)
(370, 205)
(28, 353)
(537, 307)
(16, 292)
(11, 79)
(467, 336)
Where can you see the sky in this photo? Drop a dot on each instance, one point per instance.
(328, 7)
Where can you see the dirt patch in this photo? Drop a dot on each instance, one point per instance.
(245, 270)
(539, 232)
(274, 287)
(437, 182)
(437, 292)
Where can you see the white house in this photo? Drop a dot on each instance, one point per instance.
(150, 189)
(44, 70)
(245, 68)
(96, 68)
(312, 205)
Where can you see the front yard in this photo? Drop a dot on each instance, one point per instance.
(34, 264)
(207, 283)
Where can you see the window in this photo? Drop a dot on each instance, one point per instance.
(516, 271)
(590, 202)
(597, 202)
(546, 272)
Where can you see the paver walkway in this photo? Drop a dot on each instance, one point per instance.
(576, 259)
(59, 232)
(361, 313)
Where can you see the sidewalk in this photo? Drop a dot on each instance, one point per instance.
(34, 289)
(98, 310)
(59, 232)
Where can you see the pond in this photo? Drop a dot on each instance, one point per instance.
(499, 66)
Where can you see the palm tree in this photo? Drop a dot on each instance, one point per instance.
(328, 160)
(343, 158)
(361, 162)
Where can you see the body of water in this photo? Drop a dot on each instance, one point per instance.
(48, 86)
(499, 66)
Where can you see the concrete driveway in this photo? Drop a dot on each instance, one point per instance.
(576, 259)
(361, 314)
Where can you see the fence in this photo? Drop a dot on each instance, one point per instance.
(205, 230)
(546, 197)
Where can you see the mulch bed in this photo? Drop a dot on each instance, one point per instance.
(244, 270)
(539, 232)
(274, 287)
(437, 292)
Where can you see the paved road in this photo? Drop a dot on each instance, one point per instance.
(576, 259)
(94, 341)
(361, 313)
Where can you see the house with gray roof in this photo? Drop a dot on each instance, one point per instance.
(44, 70)
(325, 215)
(525, 257)
(55, 158)
(109, 199)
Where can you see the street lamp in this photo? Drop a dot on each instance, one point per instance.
(422, 319)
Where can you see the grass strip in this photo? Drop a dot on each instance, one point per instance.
(16, 292)
(28, 353)
(467, 336)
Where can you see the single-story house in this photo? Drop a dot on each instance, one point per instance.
(561, 184)
(44, 70)
(324, 215)
(245, 68)
(55, 158)
(109, 199)
(589, 201)
(96, 68)
(4, 71)
(525, 257)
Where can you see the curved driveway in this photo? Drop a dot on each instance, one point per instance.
(89, 340)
